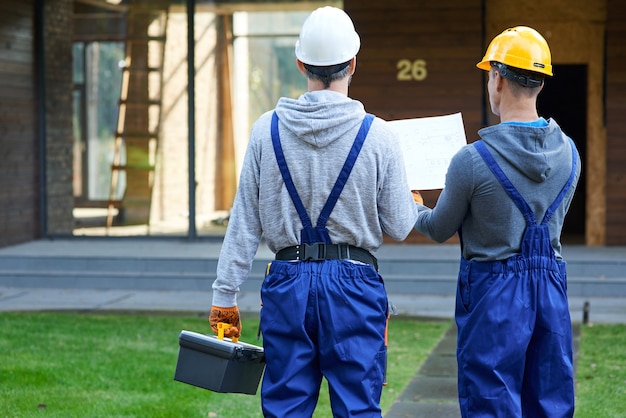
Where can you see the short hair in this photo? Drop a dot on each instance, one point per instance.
(328, 74)
(522, 81)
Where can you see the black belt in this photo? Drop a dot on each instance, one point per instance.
(320, 251)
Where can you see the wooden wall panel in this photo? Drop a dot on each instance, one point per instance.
(447, 36)
(616, 122)
(19, 191)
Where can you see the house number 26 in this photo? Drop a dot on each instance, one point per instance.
(411, 70)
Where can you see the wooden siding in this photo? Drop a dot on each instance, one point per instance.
(19, 191)
(447, 36)
(616, 123)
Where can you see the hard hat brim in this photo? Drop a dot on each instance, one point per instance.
(484, 65)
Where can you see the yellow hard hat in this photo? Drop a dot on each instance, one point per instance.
(520, 47)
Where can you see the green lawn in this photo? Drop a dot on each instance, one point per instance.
(86, 365)
(601, 373)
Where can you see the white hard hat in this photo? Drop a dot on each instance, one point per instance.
(327, 38)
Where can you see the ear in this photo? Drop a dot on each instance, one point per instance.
(300, 66)
(498, 80)
(352, 65)
(541, 87)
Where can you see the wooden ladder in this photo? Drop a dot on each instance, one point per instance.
(139, 115)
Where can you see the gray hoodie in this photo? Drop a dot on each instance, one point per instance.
(316, 132)
(537, 160)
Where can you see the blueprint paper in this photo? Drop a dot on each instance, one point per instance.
(428, 144)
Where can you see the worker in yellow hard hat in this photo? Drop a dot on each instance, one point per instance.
(507, 196)
(321, 182)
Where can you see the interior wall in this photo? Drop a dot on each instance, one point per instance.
(171, 197)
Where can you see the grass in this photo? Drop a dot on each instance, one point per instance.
(86, 365)
(601, 372)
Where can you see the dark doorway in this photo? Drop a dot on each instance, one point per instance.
(564, 98)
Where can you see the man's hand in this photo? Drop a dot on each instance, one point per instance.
(417, 197)
(229, 316)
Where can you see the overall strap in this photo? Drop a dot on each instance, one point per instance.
(341, 179)
(506, 183)
(515, 195)
(284, 171)
(345, 171)
(565, 188)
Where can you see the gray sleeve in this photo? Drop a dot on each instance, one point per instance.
(397, 210)
(443, 221)
(242, 235)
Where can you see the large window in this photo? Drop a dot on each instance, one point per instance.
(130, 104)
(263, 70)
(265, 67)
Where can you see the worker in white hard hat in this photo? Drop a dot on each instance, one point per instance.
(507, 195)
(322, 181)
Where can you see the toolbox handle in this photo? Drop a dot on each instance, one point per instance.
(221, 326)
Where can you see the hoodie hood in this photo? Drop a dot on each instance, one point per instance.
(320, 117)
(531, 150)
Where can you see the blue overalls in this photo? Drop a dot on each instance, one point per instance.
(323, 318)
(514, 347)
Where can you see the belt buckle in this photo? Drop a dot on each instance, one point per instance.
(312, 252)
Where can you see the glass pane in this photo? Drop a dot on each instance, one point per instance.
(79, 148)
(262, 70)
(273, 73)
(135, 128)
(268, 23)
(79, 63)
(103, 90)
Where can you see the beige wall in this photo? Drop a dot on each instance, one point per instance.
(171, 197)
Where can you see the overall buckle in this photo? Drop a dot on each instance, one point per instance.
(311, 252)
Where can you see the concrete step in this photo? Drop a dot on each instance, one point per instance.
(406, 269)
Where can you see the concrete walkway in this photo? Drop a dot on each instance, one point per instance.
(432, 393)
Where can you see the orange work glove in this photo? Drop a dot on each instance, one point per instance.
(229, 316)
(417, 197)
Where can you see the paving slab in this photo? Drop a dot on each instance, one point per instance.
(424, 410)
(423, 388)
